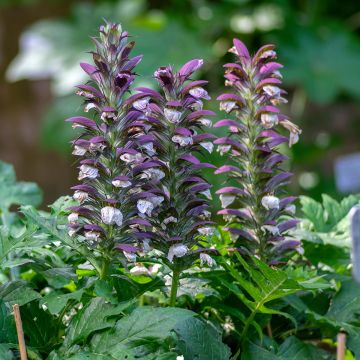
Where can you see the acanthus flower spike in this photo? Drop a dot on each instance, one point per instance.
(175, 197)
(254, 201)
(107, 148)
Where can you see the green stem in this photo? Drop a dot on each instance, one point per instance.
(104, 269)
(174, 287)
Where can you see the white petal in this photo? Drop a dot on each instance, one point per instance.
(207, 259)
(226, 200)
(177, 250)
(80, 196)
(209, 146)
(141, 104)
(111, 215)
(270, 202)
(73, 218)
(87, 171)
(121, 183)
(172, 115)
(145, 207)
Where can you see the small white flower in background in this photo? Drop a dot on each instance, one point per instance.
(227, 105)
(209, 146)
(270, 202)
(269, 120)
(199, 92)
(87, 171)
(79, 151)
(111, 215)
(80, 196)
(182, 140)
(73, 218)
(226, 200)
(145, 207)
(207, 194)
(205, 122)
(141, 104)
(121, 183)
(272, 90)
(172, 115)
(223, 149)
(206, 230)
(131, 158)
(274, 230)
(139, 269)
(146, 245)
(177, 250)
(291, 209)
(92, 236)
(207, 259)
(152, 173)
(131, 257)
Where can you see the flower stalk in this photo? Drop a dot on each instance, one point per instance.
(256, 217)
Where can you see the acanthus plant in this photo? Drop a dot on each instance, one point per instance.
(175, 197)
(251, 200)
(107, 148)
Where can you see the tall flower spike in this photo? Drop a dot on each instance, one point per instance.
(175, 200)
(105, 145)
(252, 205)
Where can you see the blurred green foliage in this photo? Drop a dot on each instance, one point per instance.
(318, 42)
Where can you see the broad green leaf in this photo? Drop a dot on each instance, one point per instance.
(16, 193)
(59, 277)
(292, 348)
(7, 325)
(6, 353)
(92, 317)
(197, 339)
(313, 211)
(144, 326)
(56, 302)
(17, 292)
(345, 306)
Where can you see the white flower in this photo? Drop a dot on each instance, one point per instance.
(272, 90)
(87, 171)
(207, 259)
(182, 140)
(205, 122)
(121, 183)
(146, 245)
(72, 232)
(92, 236)
(149, 147)
(274, 230)
(108, 115)
(270, 202)
(145, 206)
(73, 218)
(131, 158)
(227, 105)
(79, 151)
(268, 53)
(197, 105)
(198, 93)
(209, 146)
(205, 215)
(294, 138)
(168, 220)
(269, 120)
(226, 200)
(294, 131)
(223, 149)
(233, 129)
(111, 215)
(97, 147)
(206, 231)
(89, 106)
(278, 100)
(80, 196)
(177, 250)
(139, 269)
(207, 194)
(291, 209)
(131, 257)
(172, 115)
(152, 173)
(141, 104)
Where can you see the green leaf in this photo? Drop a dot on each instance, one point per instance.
(200, 340)
(59, 277)
(6, 353)
(313, 211)
(144, 326)
(56, 302)
(292, 348)
(17, 292)
(345, 306)
(92, 317)
(16, 193)
(7, 325)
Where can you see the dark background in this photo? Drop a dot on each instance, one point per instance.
(42, 42)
